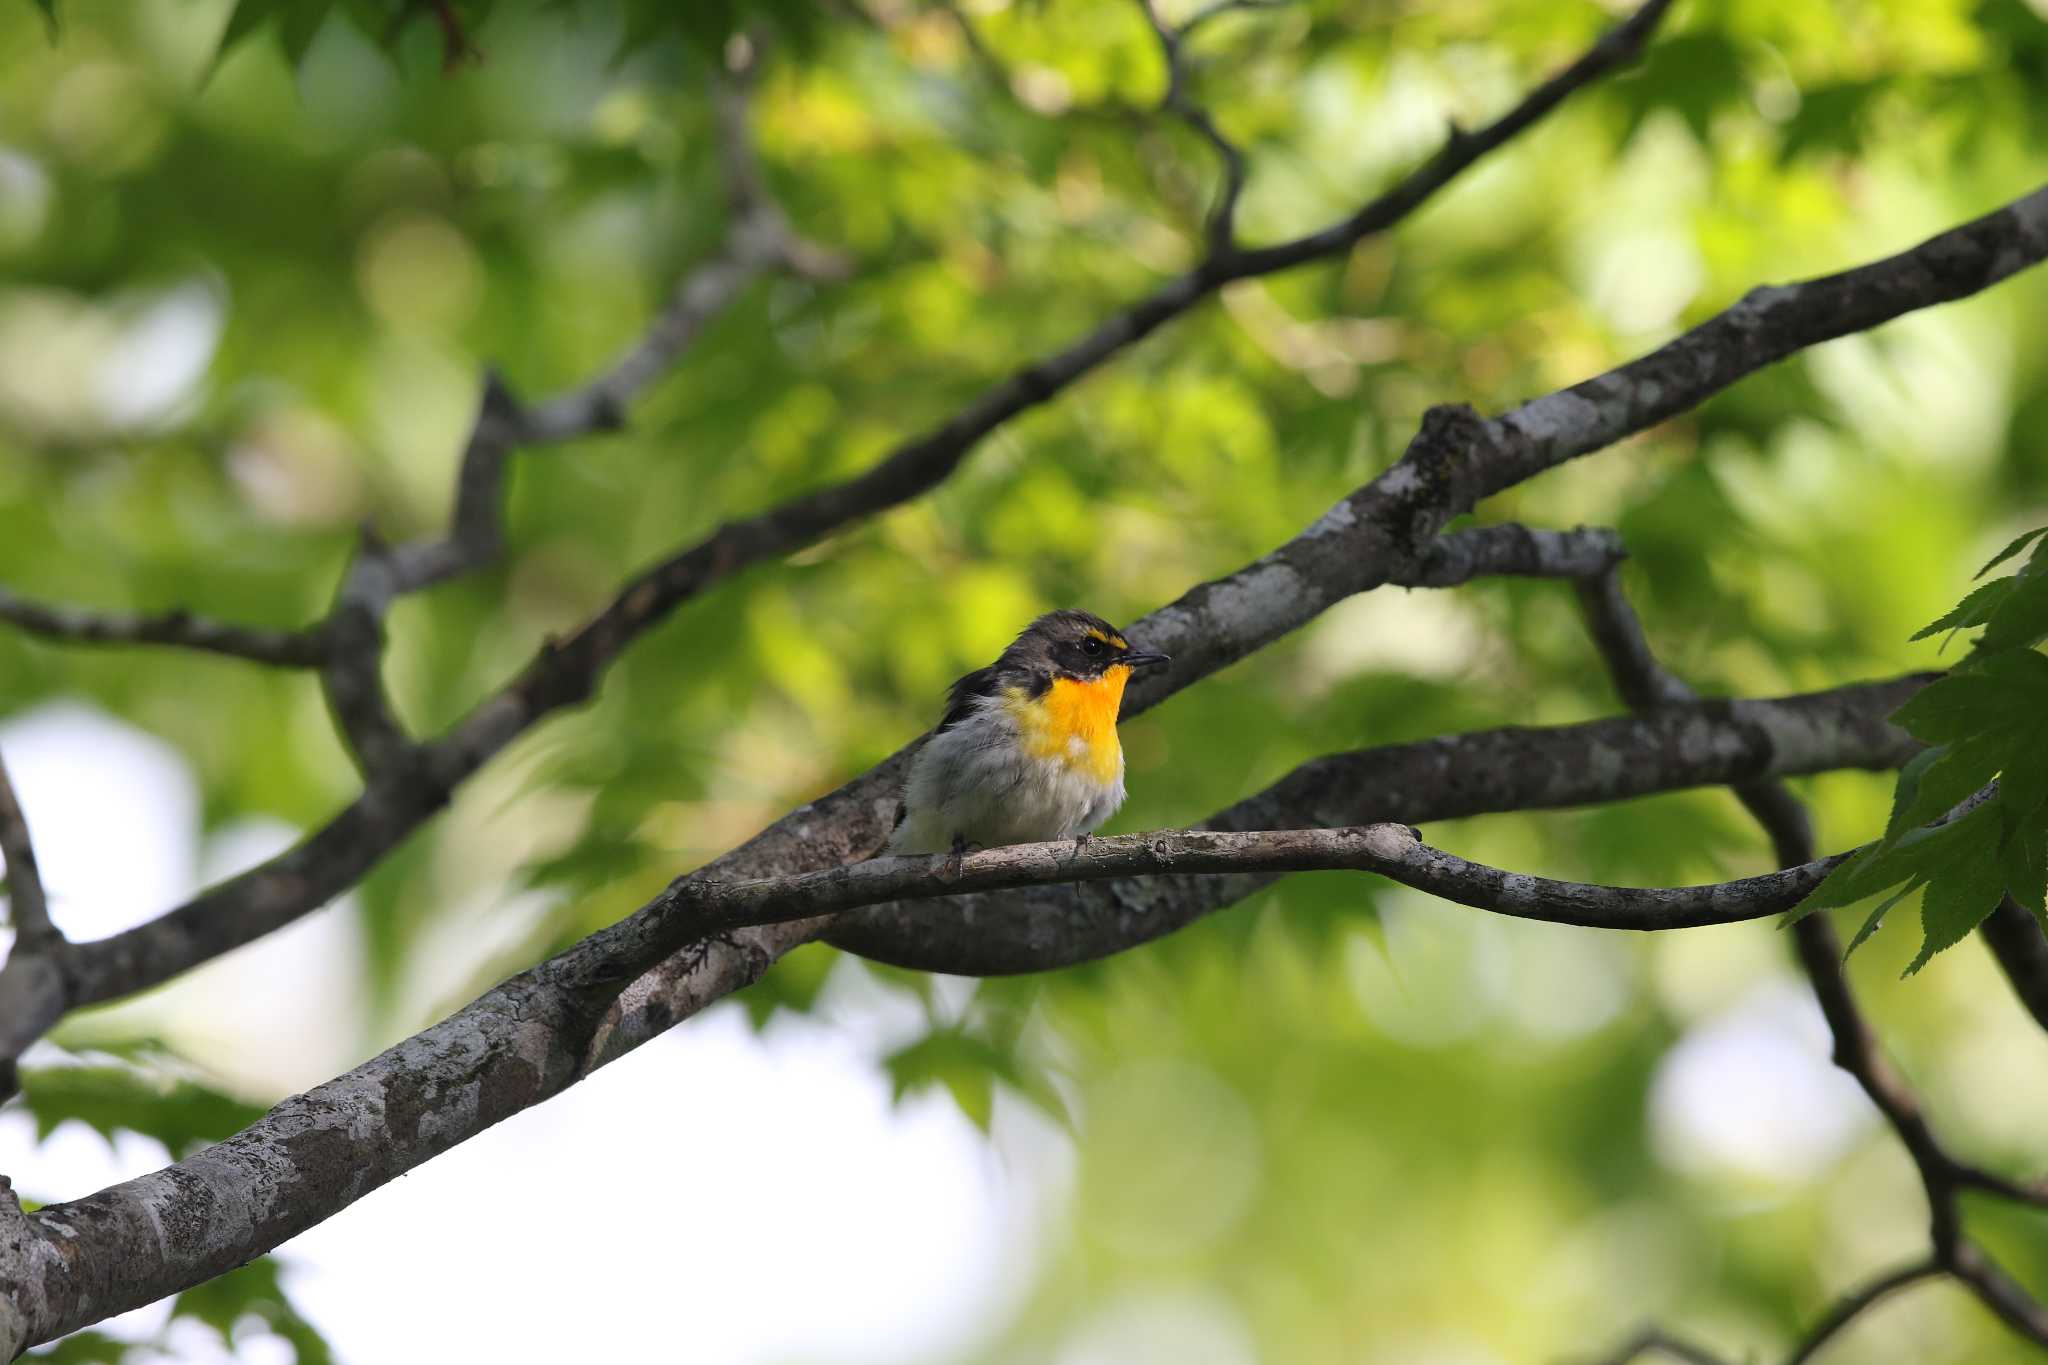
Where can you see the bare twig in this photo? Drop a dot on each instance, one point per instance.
(1220, 231)
(1850, 1305)
(1645, 685)
(27, 904)
(84, 626)
(1655, 1341)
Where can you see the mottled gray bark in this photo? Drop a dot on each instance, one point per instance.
(406, 783)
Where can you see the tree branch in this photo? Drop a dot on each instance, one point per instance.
(1647, 686)
(543, 1030)
(27, 906)
(2016, 941)
(1453, 777)
(84, 626)
(1657, 1341)
(566, 672)
(1220, 229)
(1853, 1303)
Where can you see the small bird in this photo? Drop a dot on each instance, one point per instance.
(1027, 750)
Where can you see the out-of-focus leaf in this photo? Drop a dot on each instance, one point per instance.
(254, 1290)
(2026, 865)
(1830, 118)
(182, 1114)
(968, 1066)
(90, 1348)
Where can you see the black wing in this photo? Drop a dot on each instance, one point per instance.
(960, 698)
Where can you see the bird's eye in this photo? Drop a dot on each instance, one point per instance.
(1091, 646)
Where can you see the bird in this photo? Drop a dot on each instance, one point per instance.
(1027, 750)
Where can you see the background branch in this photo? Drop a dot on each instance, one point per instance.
(566, 672)
(27, 905)
(1645, 685)
(85, 626)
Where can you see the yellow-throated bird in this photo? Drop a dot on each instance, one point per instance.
(1027, 749)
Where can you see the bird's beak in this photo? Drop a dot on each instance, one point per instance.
(1143, 660)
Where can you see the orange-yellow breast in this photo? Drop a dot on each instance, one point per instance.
(1075, 721)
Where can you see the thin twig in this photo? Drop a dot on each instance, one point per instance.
(85, 626)
(1657, 1341)
(1646, 685)
(27, 903)
(1853, 1303)
(1220, 229)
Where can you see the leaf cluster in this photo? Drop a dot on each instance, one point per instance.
(1985, 768)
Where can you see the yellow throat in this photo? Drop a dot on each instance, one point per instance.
(1074, 721)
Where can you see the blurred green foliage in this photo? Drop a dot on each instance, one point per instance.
(254, 257)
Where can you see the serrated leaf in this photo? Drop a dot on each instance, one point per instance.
(2021, 620)
(1964, 886)
(1974, 610)
(1908, 786)
(2019, 543)
(1993, 691)
(1961, 768)
(1875, 919)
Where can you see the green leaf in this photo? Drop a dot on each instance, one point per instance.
(968, 1066)
(1908, 786)
(1875, 919)
(1958, 770)
(2019, 543)
(1973, 610)
(253, 1290)
(1964, 887)
(182, 1114)
(88, 1348)
(2021, 620)
(49, 9)
(2003, 690)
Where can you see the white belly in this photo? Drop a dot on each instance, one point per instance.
(974, 783)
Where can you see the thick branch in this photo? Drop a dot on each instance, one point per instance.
(1704, 744)
(539, 1033)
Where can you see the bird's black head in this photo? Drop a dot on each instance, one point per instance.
(1074, 644)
